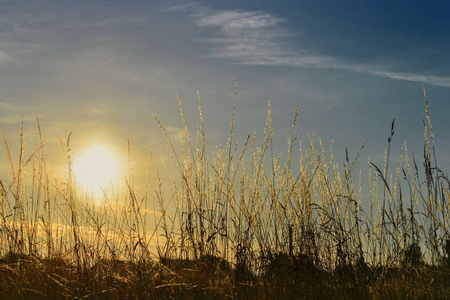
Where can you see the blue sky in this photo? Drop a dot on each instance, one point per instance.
(100, 69)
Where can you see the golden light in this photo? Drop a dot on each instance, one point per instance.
(95, 169)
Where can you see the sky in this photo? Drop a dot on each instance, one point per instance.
(100, 70)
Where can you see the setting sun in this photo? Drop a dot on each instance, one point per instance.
(95, 169)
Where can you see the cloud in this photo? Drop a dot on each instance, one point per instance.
(230, 21)
(433, 80)
(15, 119)
(181, 7)
(146, 211)
(246, 37)
(259, 38)
(4, 57)
(12, 114)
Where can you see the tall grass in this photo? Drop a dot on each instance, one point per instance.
(237, 222)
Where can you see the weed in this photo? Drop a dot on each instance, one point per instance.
(236, 223)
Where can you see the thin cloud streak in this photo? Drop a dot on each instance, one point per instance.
(181, 7)
(4, 57)
(15, 119)
(230, 21)
(433, 80)
(12, 114)
(258, 38)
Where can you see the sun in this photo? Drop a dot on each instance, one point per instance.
(95, 168)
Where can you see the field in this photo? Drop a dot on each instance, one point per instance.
(235, 223)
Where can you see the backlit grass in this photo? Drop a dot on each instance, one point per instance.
(234, 223)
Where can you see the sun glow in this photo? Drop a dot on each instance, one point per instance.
(95, 169)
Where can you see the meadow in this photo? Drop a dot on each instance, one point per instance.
(236, 223)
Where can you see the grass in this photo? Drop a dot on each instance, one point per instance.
(236, 223)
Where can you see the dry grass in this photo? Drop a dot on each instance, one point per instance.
(237, 223)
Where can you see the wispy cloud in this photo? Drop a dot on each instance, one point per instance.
(181, 7)
(433, 80)
(230, 21)
(12, 114)
(4, 57)
(246, 37)
(15, 119)
(259, 38)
